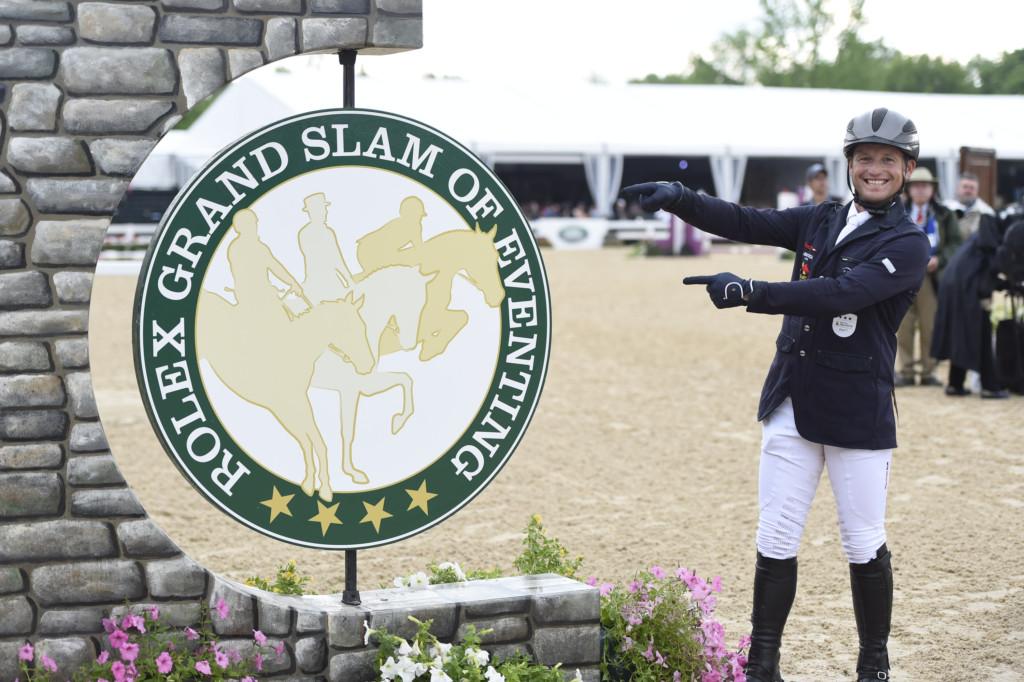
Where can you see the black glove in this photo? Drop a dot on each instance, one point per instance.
(654, 196)
(726, 289)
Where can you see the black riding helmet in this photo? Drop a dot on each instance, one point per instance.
(881, 126)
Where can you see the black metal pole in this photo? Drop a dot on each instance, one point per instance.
(348, 63)
(351, 593)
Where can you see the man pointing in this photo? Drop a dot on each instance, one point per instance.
(828, 399)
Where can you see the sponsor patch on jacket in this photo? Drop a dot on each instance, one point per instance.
(844, 325)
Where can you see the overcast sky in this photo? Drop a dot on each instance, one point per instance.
(526, 40)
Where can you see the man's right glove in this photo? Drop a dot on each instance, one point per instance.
(726, 289)
(654, 196)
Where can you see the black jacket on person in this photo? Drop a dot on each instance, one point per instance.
(970, 276)
(836, 351)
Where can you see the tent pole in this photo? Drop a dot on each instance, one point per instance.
(348, 62)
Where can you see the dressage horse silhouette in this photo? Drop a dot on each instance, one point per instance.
(269, 361)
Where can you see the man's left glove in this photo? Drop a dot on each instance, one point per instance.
(726, 289)
(654, 196)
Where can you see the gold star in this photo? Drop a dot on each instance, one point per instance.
(375, 514)
(326, 516)
(420, 497)
(278, 504)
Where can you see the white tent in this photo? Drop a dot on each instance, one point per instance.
(598, 125)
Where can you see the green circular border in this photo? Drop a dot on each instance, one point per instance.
(355, 512)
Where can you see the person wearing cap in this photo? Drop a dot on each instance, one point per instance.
(828, 399)
(817, 180)
(397, 242)
(943, 230)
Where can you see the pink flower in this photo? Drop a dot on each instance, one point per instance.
(102, 658)
(154, 612)
(26, 652)
(164, 663)
(744, 641)
(248, 678)
(259, 662)
(658, 572)
(191, 634)
(203, 667)
(716, 583)
(109, 625)
(222, 659)
(48, 663)
(592, 581)
(635, 586)
(279, 648)
(260, 638)
(117, 639)
(130, 651)
(222, 608)
(117, 667)
(606, 589)
(128, 621)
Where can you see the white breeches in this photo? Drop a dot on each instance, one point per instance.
(789, 473)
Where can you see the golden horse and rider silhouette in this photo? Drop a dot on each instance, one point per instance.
(271, 356)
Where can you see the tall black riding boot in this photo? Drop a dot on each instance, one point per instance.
(774, 590)
(872, 605)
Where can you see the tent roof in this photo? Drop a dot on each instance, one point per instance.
(508, 121)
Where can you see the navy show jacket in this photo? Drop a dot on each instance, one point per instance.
(836, 351)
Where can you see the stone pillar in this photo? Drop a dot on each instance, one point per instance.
(86, 91)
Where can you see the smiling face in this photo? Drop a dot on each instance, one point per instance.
(878, 171)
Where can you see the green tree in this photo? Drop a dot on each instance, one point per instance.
(1005, 77)
(787, 48)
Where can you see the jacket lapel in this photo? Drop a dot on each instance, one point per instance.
(897, 212)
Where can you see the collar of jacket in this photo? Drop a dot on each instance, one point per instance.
(837, 221)
(897, 213)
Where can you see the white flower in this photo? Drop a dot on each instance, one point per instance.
(404, 649)
(579, 676)
(409, 671)
(440, 651)
(400, 582)
(455, 569)
(479, 655)
(418, 580)
(493, 675)
(438, 675)
(389, 669)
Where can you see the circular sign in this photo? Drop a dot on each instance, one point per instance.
(342, 328)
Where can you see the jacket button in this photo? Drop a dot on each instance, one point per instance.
(803, 353)
(807, 327)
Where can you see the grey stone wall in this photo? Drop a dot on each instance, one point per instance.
(86, 91)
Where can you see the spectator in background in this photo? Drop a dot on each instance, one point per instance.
(971, 209)
(817, 180)
(963, 326)
(941, 226)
